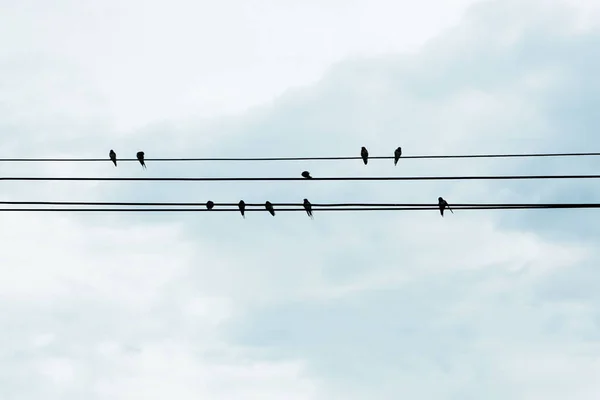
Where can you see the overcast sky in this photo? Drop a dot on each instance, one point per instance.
(483, 304)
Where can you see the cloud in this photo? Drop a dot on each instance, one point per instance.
(493, 304)
(148, 61)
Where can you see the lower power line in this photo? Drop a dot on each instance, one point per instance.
(314, 209)
(299, 204)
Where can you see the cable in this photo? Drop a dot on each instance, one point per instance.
(563, 206)
(338, 205)
(508, 155)
(344, 178)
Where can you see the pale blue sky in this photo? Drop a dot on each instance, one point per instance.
(479, 305)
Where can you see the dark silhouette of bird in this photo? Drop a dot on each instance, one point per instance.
(364, 154)
(210, 205)
(113, 157)
(397, 154)
(242, 207)
(308, 208)
(140, 157)
(270, 208)
(306, 175)
(443, 204)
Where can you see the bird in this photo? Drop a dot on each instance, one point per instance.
(443, 204)
(140, 157)
(210, 204)
(364, 154)
(306, 175)
(242, 207)
(308, 208)
(113, 157)
(270, 208)
(397, 154)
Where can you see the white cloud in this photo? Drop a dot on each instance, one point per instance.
(147, 61)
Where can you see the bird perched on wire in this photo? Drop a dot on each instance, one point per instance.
(210, 204)
(364, 154)
(113, 157)
(242, 207)
(270, 208)
(308, 208)
(140, 157)
(443, 204)
(306, 174)
(397, 154)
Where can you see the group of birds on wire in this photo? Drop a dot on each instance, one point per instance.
(364, 153)
(307, 206)
(442, 204)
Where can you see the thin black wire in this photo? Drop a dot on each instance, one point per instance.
(508, 155)
(344, 178)
(564, 206)
(203, 204)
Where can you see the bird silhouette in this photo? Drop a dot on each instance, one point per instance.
(308, 208)
(270, 208)
(242, 207)
(397, 154)
(443, 204)
(306, 175)
(364, 154)
(210, 205)
(113, 157)
(140, 157)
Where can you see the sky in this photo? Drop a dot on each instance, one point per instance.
(484, 304)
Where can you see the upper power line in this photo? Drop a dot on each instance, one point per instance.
(187, 159)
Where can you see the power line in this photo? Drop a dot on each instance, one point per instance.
(338, 205)
(320, 210)
(186, 159)
(343, 178)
